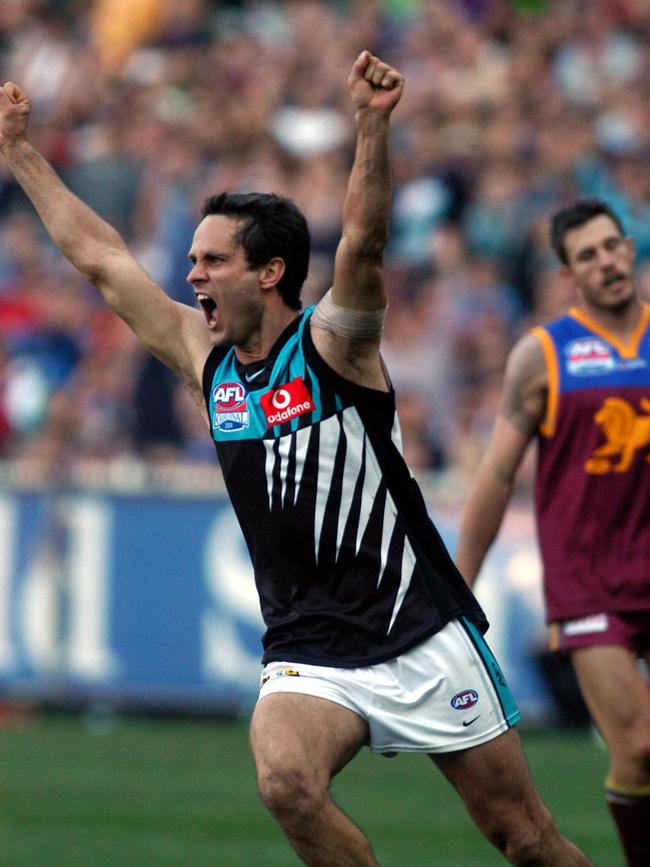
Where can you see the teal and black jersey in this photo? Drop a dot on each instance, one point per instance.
(349, 568)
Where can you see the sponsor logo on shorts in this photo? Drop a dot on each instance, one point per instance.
(585, 625)
(468, 722)
(465, 699)
(282, 672)
(496, 671)
(286, 402)
(230, 411)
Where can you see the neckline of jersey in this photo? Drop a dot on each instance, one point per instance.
(626, 350)
(254, 368)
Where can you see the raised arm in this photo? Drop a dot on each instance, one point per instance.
(353, 349)
(522, 410)
(173, 332)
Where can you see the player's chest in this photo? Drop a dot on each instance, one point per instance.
(591, 363)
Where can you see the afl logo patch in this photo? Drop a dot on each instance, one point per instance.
(589, 356)
(230, 412)
(463, 700)
(285, 402)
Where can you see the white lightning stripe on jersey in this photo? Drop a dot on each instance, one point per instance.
(302, 441)
(371, 482)
(270, 463)
(396, 434)
(284, 447)
(356, 440)
(408, 568)
(330, 434)
(386, 534)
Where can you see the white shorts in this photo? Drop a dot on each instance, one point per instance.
(445, 694)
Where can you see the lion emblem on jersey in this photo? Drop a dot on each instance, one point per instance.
(625, 431)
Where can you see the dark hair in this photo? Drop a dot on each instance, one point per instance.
(573, 217)
(271, 225)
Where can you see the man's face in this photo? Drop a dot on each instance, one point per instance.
(600, 261)
(226, 289)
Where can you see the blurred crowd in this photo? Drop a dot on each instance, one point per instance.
(512, 108)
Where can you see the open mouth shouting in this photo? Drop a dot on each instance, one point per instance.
(209, 309)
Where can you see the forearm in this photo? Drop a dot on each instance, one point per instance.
(81, 235)
(480, 523)
(366, 210)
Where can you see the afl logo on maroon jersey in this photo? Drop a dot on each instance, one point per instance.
(285, 402)
(588, 356)
(463, 700)
(230, 412)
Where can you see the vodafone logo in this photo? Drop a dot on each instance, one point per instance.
(281, 398)
(285, 402)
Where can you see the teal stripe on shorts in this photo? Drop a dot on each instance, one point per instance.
(510, 710)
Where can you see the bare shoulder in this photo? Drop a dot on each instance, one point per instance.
(525, 385)
(526, 360)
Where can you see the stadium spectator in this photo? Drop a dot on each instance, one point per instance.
(580, 386)
(492, 85)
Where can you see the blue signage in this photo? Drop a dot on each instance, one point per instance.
(150, 601)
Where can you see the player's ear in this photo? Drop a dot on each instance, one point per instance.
(271, 273)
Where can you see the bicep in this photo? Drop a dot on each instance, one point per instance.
(175, 333)
(357, 288)
(523, 405)
(525, 387)
(358, 277)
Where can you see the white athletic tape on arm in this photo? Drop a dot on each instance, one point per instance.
(356, 324)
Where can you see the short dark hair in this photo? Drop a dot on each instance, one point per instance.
(271, 225)
(573, 217)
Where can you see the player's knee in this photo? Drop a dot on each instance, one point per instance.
(522, 835)
(291, 795)
(636, 753)
(631, 753)
(531, 844)
(640, 752)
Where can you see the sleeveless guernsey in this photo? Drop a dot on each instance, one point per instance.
(349, 568)
(593, 474)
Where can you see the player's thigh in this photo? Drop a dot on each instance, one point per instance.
(614, 689)
(308, 734)
(494, 782)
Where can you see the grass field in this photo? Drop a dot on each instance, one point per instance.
(136, 792)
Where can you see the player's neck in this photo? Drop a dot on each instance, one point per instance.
(620, 321)
(259, 345)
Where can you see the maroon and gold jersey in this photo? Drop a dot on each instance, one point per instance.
(593, 474)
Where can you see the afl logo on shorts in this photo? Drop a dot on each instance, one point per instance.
(465, 699)
(285, 402)
(230, 412)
